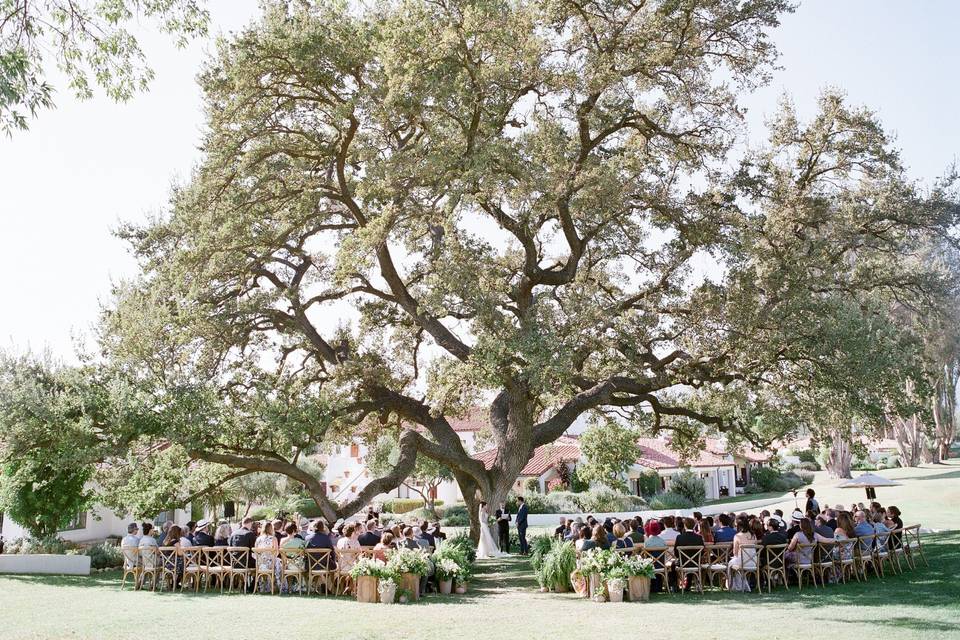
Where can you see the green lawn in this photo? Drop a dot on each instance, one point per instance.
(504, 603)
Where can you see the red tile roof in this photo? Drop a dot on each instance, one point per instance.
(657, 454)
(719, 447)
(566, 449)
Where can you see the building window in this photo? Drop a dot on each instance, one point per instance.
(79, 522)
(354, 450)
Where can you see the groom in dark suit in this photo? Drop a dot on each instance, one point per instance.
(522, 526)
(503, 528)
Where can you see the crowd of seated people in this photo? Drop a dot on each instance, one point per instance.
(873, 526)
(289, 533)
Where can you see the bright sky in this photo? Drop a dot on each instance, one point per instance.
(83, 167)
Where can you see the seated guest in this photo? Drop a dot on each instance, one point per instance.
(608, 527)
(409, 542)
(585, 542)
(795, 519)
(863, 527)
(706, 532)
(574, 532)
(186, 539)
(635, 525)
(147, 539)
(562, 530)
(221, 538)
(621, 540)
(820, 526)
(348, 542)
(894, 514)
(652, 539)
(202, 537)
(742, 556)
(686, 537)
(778, 516)
(804, 535)
(669, 533)
(370, 537)
(161, 539)
(267, 539)
(320, 539)
(291, 540)
(724, 533)
(278, 529)
(756, 527)
(881, 529)
(831, 518)
(436, 532)
(773, 537)
(843, 533)
(132, 539)
(426, 535)
(245, 537)
(385, 544)
(600, 537)
(174, 539)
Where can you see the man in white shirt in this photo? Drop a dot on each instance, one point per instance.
(147, 539)
(132, 539)
(669, 534)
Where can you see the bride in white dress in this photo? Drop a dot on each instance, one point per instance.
(487, 547)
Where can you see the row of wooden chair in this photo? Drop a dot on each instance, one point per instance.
(839, 559)
(260, 568)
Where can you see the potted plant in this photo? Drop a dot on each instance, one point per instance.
(403, 596)
(558, 564)
(409, 564)
(447, 570)
(616, 582)
(639, 572)
(387, 587)
(595, 564)
(365, 573)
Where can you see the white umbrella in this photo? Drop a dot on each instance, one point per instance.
(868, 481)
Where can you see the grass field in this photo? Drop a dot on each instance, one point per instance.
(504, 602)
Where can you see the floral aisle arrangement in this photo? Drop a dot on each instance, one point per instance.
(366, 572)
(409, 565)
(453, 560)
(387, 588)
(611, 573)
(555, 567)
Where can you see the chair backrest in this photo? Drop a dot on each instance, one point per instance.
(657, 555)
(689, 557)
(293, 560)
(238, 557)
(168, 555)
(346, 558)
(896, 540)
(148, 558)
(774, 555)
(192, 557)
(749, 556)
(880, 542)
(718, 552)
(131, 557)
(825, 552)
(264, 558)
(805, 552)
(214, 556)
(845, 547)
(865, 547)
(319, 559)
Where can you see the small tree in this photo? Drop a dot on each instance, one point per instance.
(41, 496)
(689, 485)
(610, 450)
(427, 474)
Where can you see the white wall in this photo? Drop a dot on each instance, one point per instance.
(101, 523)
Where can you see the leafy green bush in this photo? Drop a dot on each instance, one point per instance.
(539, 546)
(690, 485)
(765, 479)
(557, 565)
(669, 500)
(808, 456)
(466, 546)
(50, 544)
(404, 505)
(649, 483)
(606, 500)
(105, 556)
(455, 516)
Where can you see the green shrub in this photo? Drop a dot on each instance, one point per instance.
(466, 546)
(670, 500)
(105, 556)
(577, 484)
(557, 565)
(532, 485)
(690, 485)
(809, 457)
(606, 500)
(455, 516)
(50, 544)
(539, 546)
(765, 478)
(649, 483)
(806, 466)
(404, 505)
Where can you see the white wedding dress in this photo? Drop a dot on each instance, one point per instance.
(487, 548)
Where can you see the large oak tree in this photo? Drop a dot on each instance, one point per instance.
(407, 210)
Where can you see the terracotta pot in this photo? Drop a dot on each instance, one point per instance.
(387, 596)
(446, 587)
(367, 589)
(411, 582)
(638, 587)
(615, 590)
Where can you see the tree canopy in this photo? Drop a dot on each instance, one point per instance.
(408, 209)
(92, 43)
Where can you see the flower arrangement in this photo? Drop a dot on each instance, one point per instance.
(599, 561)
(369, 567)
(385, 585)
(635, 566)
(448, 569)
(457, 553)
(408, 561)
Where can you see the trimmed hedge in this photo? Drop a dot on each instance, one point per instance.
(403, 505)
